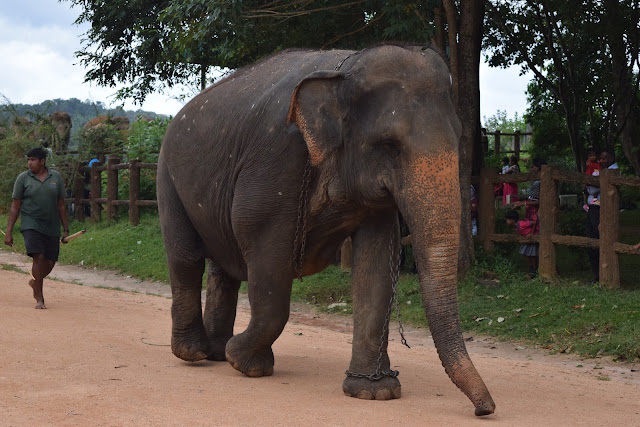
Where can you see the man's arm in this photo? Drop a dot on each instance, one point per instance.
(62, 213)
(11, 221)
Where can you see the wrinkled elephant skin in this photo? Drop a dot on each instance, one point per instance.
(378, 135)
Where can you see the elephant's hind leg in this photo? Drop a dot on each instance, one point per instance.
(185, 260)
(188, 337)
(220, 310)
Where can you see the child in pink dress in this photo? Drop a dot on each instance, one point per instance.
(525, 228)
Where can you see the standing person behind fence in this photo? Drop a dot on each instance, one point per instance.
(607, 161)
(498, 187)
(526, 228)
(531, 206)
(593, 167)
(38, 197)
(511, 188)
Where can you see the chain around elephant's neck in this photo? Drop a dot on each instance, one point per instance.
(301, 224)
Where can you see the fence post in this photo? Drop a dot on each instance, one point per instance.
(496, 147)
(78, 192)
(516, 143)
(112, 186)
(609, 229)
(486, 208)
(134, 192)
(96, 192)
(547, 214)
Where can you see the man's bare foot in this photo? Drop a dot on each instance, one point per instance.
(39, 299)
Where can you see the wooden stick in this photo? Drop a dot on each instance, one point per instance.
(73, 236)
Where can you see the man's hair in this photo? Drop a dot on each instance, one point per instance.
(611, 152)
(38, 153)
(513, 215)
(538, 162)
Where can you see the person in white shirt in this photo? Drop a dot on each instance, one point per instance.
(607, 161)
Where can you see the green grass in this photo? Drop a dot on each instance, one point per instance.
(136, 251)
(568, 315)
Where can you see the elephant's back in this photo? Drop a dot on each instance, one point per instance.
(243, 116)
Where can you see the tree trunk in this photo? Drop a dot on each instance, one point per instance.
(439, 38)
(452, 29)
(625, 92)
(468, 105)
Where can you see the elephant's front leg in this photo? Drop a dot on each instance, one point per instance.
(220, 310)
(269, 287)
(371, 286)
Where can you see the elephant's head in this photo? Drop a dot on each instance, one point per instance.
(386, 120)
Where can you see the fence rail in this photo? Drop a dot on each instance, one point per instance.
(96, 201)
(608, 245)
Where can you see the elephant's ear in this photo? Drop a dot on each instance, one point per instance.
(316, 110)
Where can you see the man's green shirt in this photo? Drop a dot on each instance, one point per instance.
(39, 209)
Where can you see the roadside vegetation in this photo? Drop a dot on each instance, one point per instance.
(496, 298)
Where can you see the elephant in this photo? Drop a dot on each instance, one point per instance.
(264, 174)
(55, 131)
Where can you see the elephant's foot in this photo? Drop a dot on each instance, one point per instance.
(217, 349)
(250, 362)
(190, 347)
(386, 388)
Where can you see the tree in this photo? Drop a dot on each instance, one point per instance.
(567, 46)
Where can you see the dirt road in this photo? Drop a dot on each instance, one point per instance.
(100, 357)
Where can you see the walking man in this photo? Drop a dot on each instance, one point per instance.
(38, 196)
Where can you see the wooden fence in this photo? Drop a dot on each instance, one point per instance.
(608, 181)
(96, 201)
(497, 135)
(608, 245)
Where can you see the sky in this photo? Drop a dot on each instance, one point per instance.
(38, 40)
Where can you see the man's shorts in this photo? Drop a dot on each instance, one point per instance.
(38, 243)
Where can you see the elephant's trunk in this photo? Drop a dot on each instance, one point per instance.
(431, 206)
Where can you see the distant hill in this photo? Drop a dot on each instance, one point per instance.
(80, 111)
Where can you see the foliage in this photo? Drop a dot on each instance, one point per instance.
(145, 138)
(567, 46)
(13, 161)
(151, 45)
(501, 122)
(99, 140)
(629, 197)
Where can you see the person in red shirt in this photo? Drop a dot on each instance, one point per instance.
(592, 163)
(525, 228)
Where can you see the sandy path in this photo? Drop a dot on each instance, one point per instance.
(99, 356)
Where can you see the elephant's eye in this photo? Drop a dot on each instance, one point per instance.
(389, 147)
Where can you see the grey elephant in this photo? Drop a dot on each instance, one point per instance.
(265, 174)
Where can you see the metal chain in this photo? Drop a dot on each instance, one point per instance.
(301, 223)
(394, 267)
